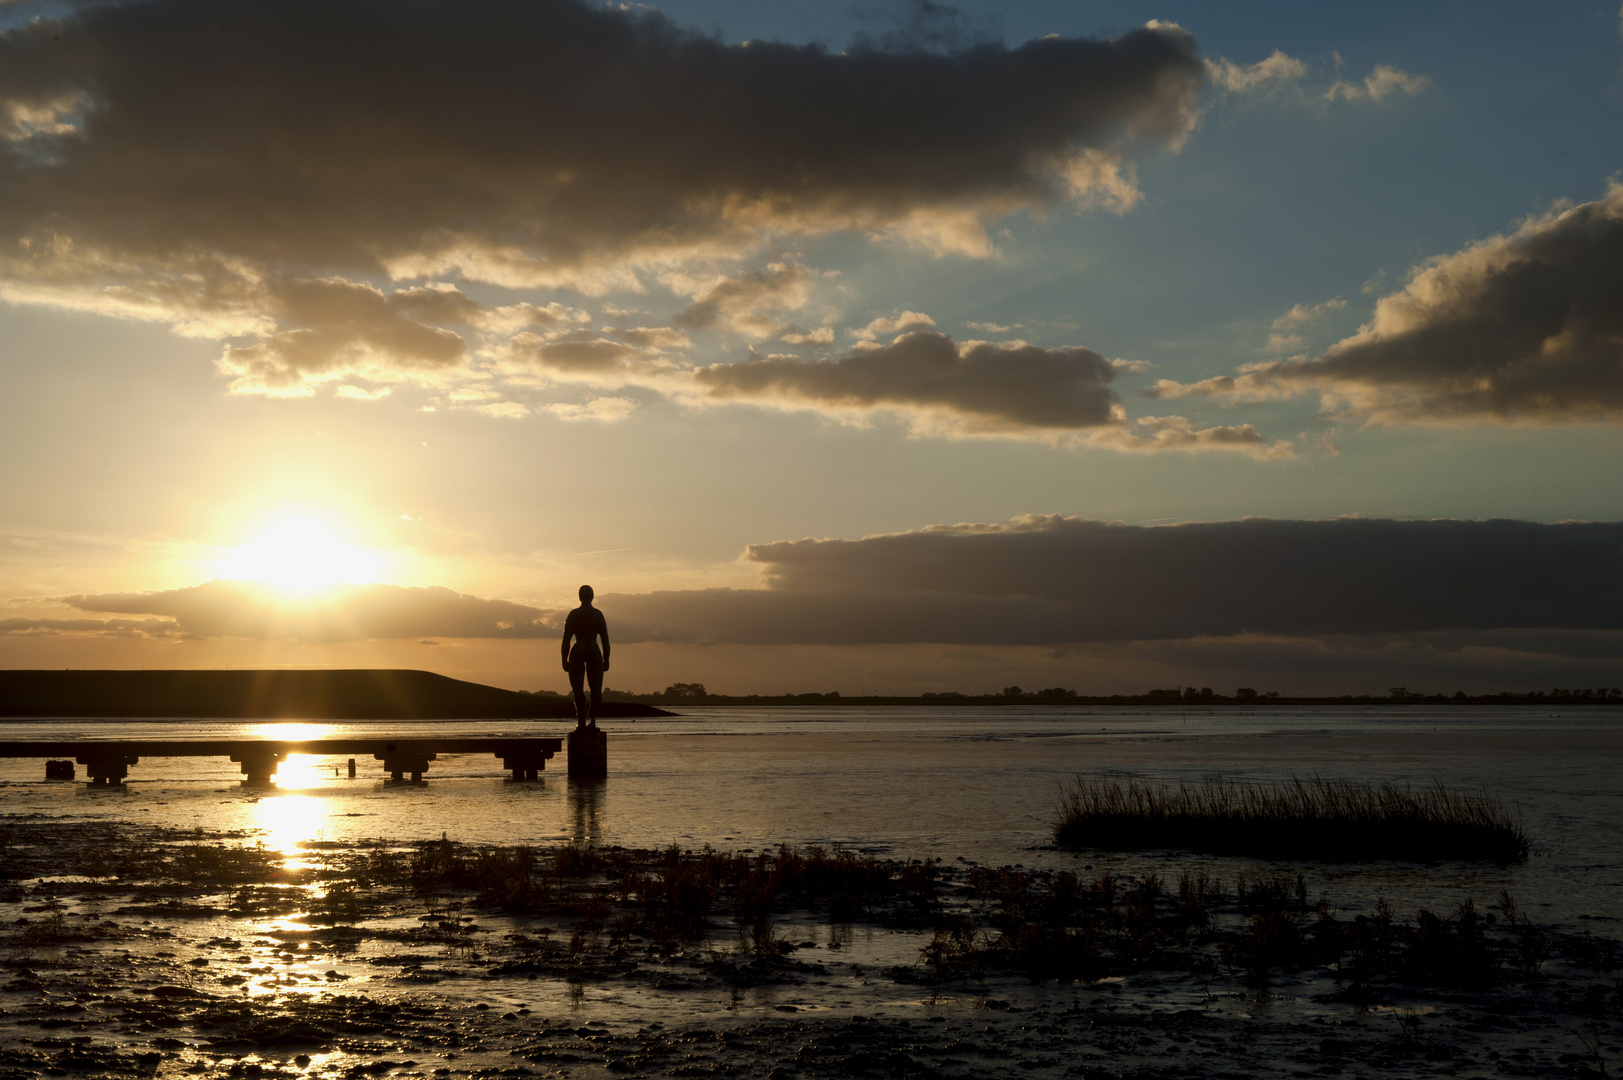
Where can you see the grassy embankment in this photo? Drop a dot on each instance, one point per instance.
(1311, 819)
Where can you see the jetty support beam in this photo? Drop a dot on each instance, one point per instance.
(258, 766)
(398, 762)
(107, 769)
(526, 764)
(108, 762)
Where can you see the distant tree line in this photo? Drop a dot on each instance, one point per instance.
(686, 693)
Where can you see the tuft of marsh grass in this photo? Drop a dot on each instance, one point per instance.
(1296, 819)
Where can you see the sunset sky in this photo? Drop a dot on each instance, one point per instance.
(863, 346)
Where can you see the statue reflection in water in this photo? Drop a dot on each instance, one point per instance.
(585, 801)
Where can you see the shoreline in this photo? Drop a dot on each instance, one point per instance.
(199, 952)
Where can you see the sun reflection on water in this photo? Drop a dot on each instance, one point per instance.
(282, 731)
(285, 824)
(300, 771)
(287, 821)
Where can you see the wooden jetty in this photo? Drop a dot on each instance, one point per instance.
(319, 694)
(107, 762)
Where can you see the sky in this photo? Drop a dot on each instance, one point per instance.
(890, 347)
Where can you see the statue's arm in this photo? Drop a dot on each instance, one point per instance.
(569, 632)
(603, 632)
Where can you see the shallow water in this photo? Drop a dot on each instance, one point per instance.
(981, 784)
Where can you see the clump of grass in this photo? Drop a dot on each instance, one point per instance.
(223, 864)
(51, 929)
(1311, 819)
(505, 878)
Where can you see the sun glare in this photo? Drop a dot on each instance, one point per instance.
(300, 554)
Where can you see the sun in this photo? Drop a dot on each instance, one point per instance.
(300, 554)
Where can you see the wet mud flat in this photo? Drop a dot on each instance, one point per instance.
(128, 951)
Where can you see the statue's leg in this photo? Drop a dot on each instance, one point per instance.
(594, 672)
(577, 684)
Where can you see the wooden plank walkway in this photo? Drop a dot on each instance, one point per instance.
(108, 761)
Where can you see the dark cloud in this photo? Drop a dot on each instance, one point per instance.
(1056, 580)
(155, 628)
(655, 337)
(977, 385)
(348, 326)
(234, 609)
(940, 386)
(1347, 604)
(199, 163)
(1525, 328)
(1475, 661)
(595, 356)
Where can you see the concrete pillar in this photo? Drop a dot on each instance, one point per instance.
(588, 753)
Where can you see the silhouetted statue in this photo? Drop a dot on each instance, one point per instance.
(584, 662)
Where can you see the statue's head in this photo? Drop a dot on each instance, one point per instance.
(585, 593)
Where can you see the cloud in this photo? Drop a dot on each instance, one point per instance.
(1155, 433)
(1278, 73)
(1477, 661)
(737, 303)
(1524, 328)
(604, 410)
(899, 323)
(600, 361)
(943, 387)
(598, 355)
(501, 410)
(1355, 604)
(656, 337)
(1103, 180)
(538, 144)
(510, 318)
(1265, 75)
(235, 609)
(306, 331)
(1053, 580)
(1381, 83)
(823, 335)
(361, 393)
(974, 386)
(149, 628)
(1287, 328)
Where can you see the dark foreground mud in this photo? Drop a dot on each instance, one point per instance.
(141, 952)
